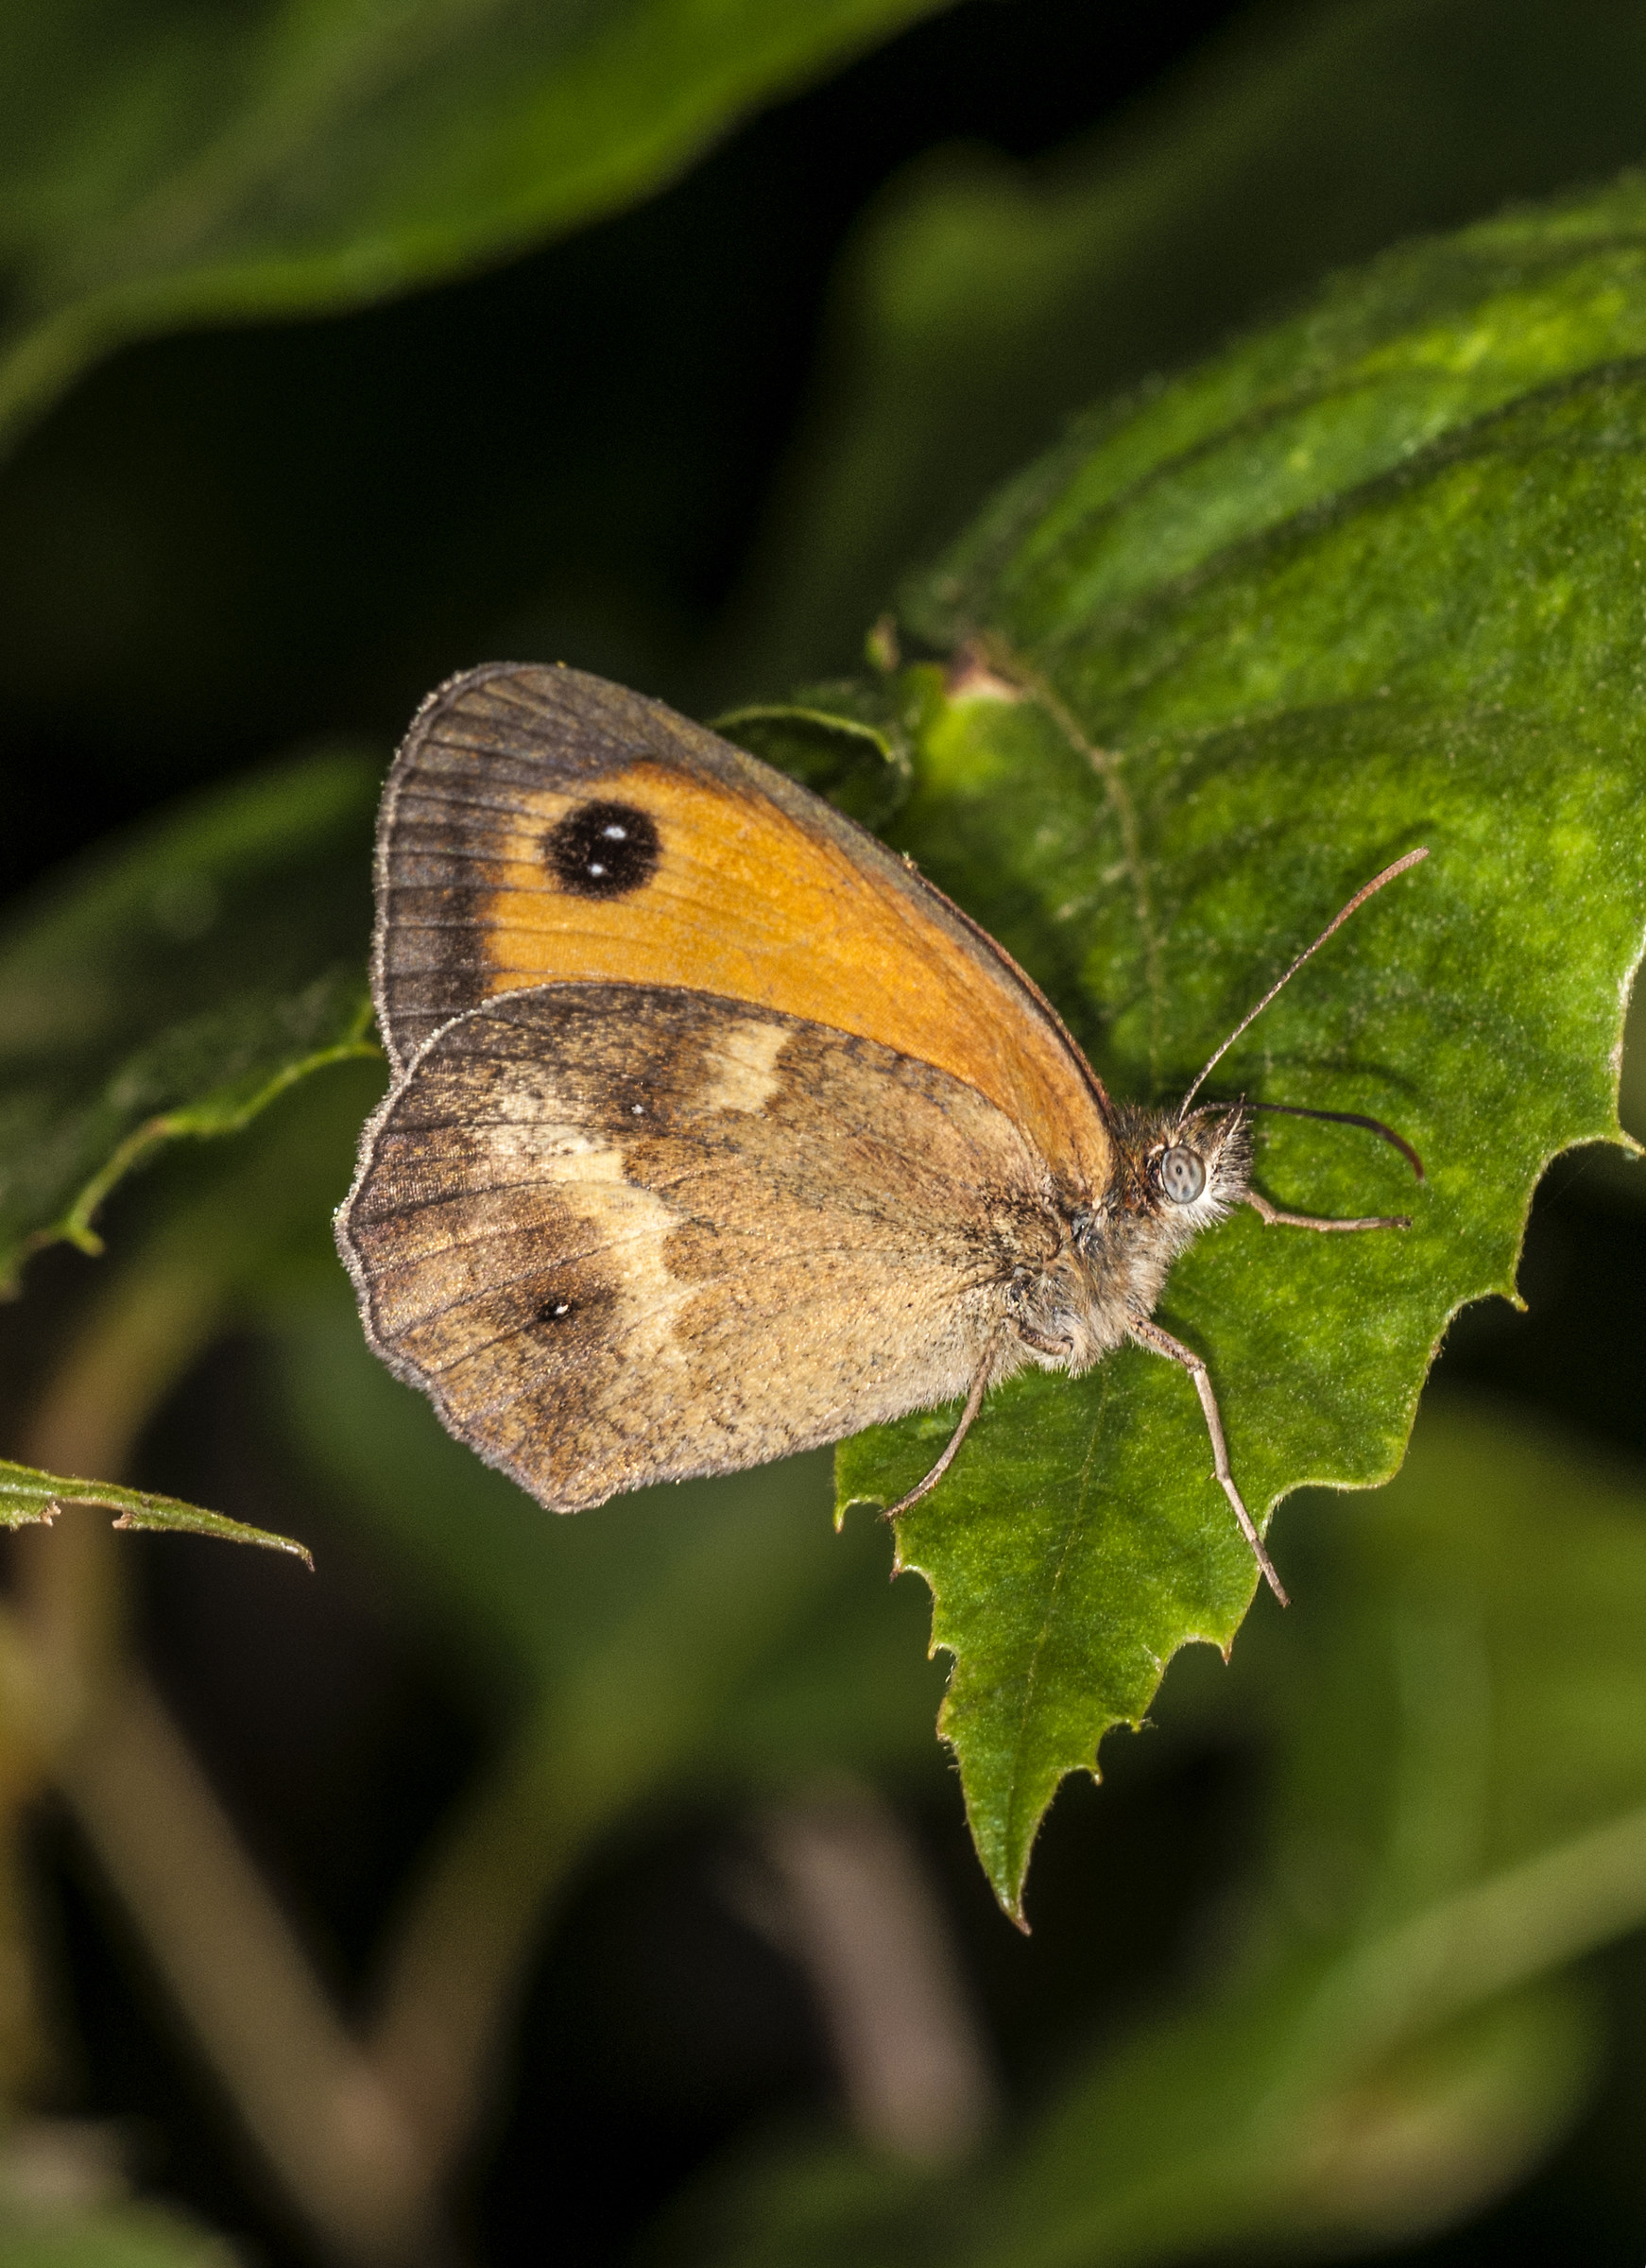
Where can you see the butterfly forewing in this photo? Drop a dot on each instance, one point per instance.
(543, 827)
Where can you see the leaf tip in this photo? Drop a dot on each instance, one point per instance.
(1008, 1887)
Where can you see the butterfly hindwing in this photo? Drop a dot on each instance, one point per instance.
(626, 1233)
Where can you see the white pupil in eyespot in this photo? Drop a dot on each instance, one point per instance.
(1182, 1175)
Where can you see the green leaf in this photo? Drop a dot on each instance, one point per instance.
(1456, 1709)
(984, 301)
(29, 1498)
(121, 2233)
(176, 982)
(840, 740)
(1370, 580)
(174, 165)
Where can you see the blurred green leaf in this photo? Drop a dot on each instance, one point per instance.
(1370, 580)
(1458, 1710)
(173, 164)
(27, 1497)
(174, 983)
(716, 1638)
(1461, 1811)
(122, 2236)
(984, 301)
(65, 2203)
(50, 2232)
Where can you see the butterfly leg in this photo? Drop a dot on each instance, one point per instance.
(1161, 1342)
(973, 1404)
(1274, 1218)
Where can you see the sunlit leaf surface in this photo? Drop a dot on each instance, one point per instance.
(986, 299)
(1370, 580)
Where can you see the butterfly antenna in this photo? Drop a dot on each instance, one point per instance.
(1337, 921)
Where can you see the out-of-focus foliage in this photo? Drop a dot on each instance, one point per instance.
(707, 1633)
(172, 165)
(175, 982)
(1457, 1706)
(111, 2236)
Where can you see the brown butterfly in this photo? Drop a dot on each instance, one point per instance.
(716, 1132)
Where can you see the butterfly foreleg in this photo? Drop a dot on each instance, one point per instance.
(1161, 1342)
(973, 1404)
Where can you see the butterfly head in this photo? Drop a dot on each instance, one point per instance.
(1192, 1167)
(1174, 1173)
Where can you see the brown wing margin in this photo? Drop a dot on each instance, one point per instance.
(761, 892)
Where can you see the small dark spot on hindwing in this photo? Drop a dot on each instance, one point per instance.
(603, 849)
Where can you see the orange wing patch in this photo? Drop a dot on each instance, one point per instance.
(609, 840)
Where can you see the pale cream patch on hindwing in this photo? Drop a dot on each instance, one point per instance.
(628, 1225)
(743, 1067)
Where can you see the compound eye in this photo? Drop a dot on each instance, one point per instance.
(1182, 1175)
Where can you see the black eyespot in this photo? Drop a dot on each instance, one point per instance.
(1181, 1173)
(603, 849)
(554, 1309)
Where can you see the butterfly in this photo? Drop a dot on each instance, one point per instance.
(716, 1131)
